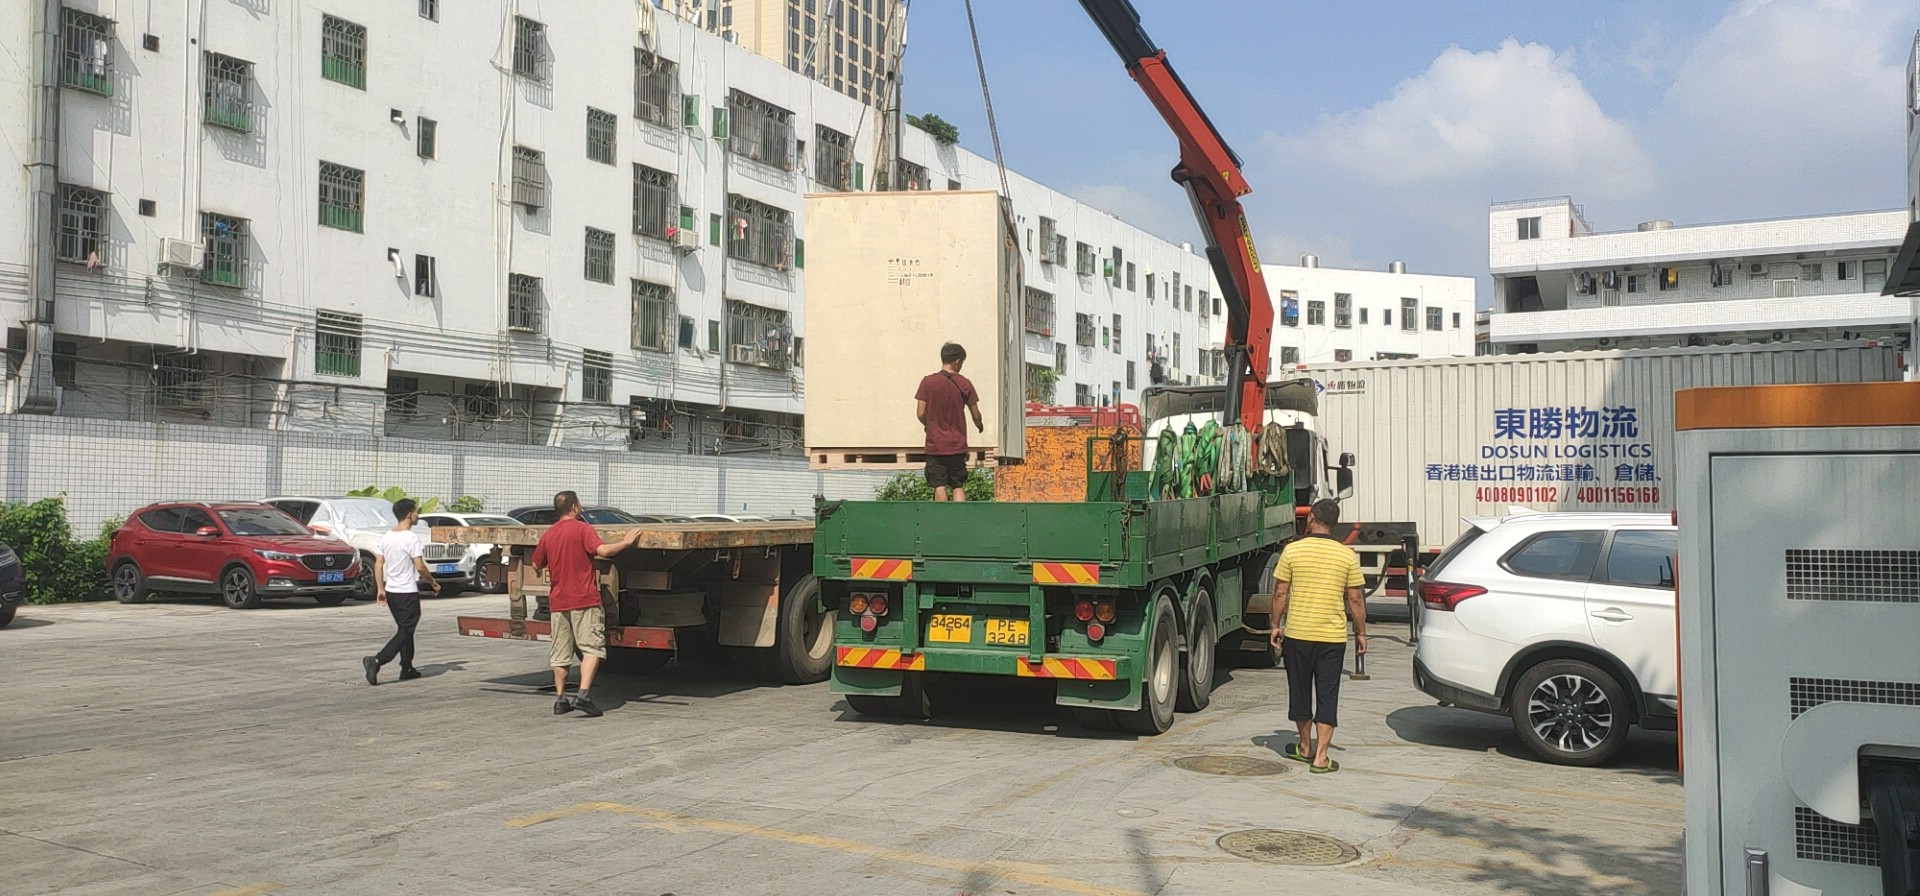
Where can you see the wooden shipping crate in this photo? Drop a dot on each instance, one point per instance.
(890, 278)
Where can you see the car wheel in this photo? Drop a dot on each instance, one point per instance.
(363, 584)
(6, 614)
(236, 588)
(1570, 712)
(129, 586)
(493, 578)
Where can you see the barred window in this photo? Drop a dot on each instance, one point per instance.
(226, 103)
(523, 303)
(1083, 330)
(403, 396)
(1084, 258)
(762, 337)
(529, 177)
(529, 48)
(1039, 312)
(654, 201)
(1342, 309)
(225, 240)
(1116, 334)
(758, 232)
(654, 84)
(913, 176)
(86, 52)
(1409, 314)
(832, 158)
(82, 222)
(760, 130)
(481, 401)
(601, 126)
(425, 277)
(336, 348)
(427, 144)
(652, 316)
(343, 52)
(599, 266)
(342, 196)
(179, 380)
(596, 376)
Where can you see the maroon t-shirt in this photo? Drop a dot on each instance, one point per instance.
(947, 396)
(566, 551)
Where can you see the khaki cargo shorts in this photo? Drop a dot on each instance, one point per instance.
(584, 630)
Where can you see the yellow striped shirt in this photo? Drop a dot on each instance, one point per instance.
(1319, 571)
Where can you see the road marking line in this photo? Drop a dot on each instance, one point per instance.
(1013, 871)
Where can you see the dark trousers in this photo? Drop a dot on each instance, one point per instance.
(1313, 679)
(406, 615)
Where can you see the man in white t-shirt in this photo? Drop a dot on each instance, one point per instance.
(398, 570)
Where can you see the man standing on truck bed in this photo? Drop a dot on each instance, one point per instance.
(566, 552)
(943, 399)
(1318, 589)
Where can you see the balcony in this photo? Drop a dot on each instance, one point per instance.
(1844, 311)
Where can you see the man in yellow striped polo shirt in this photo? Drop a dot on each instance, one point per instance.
(1318, 590)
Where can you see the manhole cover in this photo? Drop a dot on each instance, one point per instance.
(1235, 766)
(1288, 848)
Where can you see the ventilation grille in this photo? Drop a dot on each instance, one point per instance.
(1806, 693)
(1872, 576)
(1822, 839)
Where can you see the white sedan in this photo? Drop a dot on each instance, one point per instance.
(483, 564)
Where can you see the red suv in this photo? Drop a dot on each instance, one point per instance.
(241, 552)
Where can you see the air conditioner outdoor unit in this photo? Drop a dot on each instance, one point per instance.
(180, 254)
(686, 240)
(740, 354)
(1757, 269)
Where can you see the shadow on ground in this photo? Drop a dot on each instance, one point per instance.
(23, 620)
(1654, 754)
(1521, 858)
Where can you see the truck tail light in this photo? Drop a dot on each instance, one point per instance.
(1083, 610)
(877, 605)
(857, 604)
(868, 624)
(1096, 632)
(1442, 596)
(1104, 611)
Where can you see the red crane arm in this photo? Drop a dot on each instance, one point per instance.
(1211, 174)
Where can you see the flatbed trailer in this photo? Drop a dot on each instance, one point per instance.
(746, 585)
(1123, 603)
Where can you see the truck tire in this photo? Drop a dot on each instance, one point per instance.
(1158, 677)
(1203, 639)
(911, 704)
(1570, 712)
(802, 651)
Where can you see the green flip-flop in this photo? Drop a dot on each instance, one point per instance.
(1293, 752)
(1331, 766)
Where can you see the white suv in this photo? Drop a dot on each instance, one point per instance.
(360, 522)
(1563, 621)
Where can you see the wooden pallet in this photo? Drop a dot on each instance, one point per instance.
(884, 459)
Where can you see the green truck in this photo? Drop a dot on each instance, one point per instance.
(1126, 602)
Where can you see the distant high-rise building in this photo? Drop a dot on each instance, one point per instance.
(841, 43)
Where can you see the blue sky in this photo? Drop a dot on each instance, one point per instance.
(1376, 131)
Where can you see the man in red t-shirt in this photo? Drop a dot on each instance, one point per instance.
(943, 398)
(566, 553)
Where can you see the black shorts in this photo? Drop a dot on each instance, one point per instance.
(1313, 679)
(947, 470)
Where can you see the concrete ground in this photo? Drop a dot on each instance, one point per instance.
(181, 748)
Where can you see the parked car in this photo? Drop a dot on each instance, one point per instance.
(728, 518)
(13, 584)
(599, 516)
(481, 564)
(360, 522)
(240, 552)
(1562, 621)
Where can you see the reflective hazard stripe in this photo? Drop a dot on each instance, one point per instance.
(879, 658)
(887, 570)
(1066, 573)
(1066, 667)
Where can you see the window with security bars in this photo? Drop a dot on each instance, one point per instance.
(1409, 314)
(427, 143)
(529, 178)
(180, 381)
(82, 222)
(1130, 374)
(1084, 259)
(1289, 354)
(1116, 334)
(1853, 575)
(1205, 304)
(596, 377)
(225, 96)
(1342, 310)
(655, 83)
(86, 59)
(403, 396)
(653, 317)
(912, 176)
(599, 266)
(342, 196)
(1174, 358)
(1082, 395)
(424, 279)
(529, 48)
(655, 201)
(480, 401)
(343, 52)
(832, 158)
(758, 232)
(759, 130)
(224, 239)
(1436, 319)
(523, 303)
(1039, 312)
(336, 346)
(601, 127)
(757, 336)
(1084, 330)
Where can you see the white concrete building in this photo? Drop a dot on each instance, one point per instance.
(1905, 279)
(1559, 285)
(452, 223)
(1324, 315)
(845, 44)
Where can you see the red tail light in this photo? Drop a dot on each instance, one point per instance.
(1442, 596)
(1083, 610)
(1096, 632)
(877, 605)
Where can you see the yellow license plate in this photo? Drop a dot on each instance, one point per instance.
(950, 628)
(1007, 632)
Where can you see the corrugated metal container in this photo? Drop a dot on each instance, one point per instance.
(890, 278)
(1442, 439)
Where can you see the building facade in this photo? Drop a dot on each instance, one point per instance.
(453, 223)
(1559, 285)
(845, 44)
(1329, 315)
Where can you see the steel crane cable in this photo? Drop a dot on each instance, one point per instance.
(986, 95)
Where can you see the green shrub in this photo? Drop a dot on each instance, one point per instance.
(912, 486)
(57, 567)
